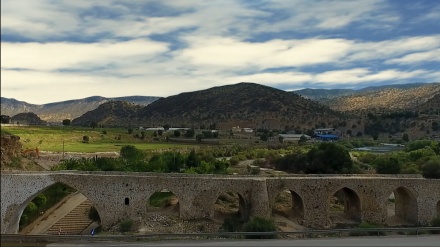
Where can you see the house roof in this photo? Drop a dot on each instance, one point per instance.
(328, 136)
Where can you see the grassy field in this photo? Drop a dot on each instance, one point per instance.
(69, 138)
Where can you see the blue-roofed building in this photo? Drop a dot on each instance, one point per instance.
(327, 137)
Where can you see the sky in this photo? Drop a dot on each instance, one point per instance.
(57, 50)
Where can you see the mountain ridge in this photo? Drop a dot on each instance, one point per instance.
(69, 109)
(258, 106)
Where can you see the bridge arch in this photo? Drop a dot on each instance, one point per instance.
(438, 209)
(229, 203)
(290, 204)
(405, 207)
(164, 199)
(344, 205)
(17, 217)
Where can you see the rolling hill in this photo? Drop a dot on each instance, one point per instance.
(243, 104)
(56, 112)
(409, 98)
(326, 94)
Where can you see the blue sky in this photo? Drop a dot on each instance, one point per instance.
(60, 50)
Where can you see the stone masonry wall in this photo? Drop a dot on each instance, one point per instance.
(119, 196)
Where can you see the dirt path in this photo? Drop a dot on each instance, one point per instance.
(50, 217)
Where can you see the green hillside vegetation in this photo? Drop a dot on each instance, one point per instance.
(52, 138)
(386, 99)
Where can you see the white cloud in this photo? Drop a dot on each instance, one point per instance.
(67, 55)
(236, 54)
(361, 75)
(432, 55)
(328, 15)
(392, 48)
(101, 45)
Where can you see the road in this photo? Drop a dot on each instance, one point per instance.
(420, 241)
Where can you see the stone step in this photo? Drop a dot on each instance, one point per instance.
(74, 222)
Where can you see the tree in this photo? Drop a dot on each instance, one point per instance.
(329, 158)
(130, 152)
(199, 137)
(375, 135)
(359, 134)
(302, 139)
(66, 122)
(387, 165)
(176, 133)
(190, 133)
(193, 159)
(166, 127)
(160, 132)
(40, 200)
(85, 139)
(405, 137)
(435, 126)
(93, 124)
(432, 168)
(5, 119)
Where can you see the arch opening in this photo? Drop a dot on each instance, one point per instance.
(438, 209)
(345, 207)
(288, 206)
(230, 207)
(164, 202)
(58, 209)
(401, 208)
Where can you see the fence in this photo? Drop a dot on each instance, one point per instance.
(221, 235)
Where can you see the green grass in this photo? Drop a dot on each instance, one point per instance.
(53, 138)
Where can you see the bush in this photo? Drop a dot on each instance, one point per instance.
(40, 200)
(435, 223)
(366, 225)
(126, 225)
(85, 139)
(258, 224)
(232, 224)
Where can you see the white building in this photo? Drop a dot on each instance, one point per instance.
(293, 137)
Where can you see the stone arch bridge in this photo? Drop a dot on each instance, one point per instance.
(118, 196)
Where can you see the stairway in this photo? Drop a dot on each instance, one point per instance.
(74, 222)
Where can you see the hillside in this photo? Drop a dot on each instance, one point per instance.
(112, 113)
(389, 99)
(326, 94)
(244, 104)
(56, 112)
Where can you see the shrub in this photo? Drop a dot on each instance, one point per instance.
(366, 225)
(232, 224)
(40, 200)
(85, 139)
(126, 225)
(258, 224)
(435, 223)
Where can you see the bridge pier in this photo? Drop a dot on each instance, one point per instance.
(259, 200)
